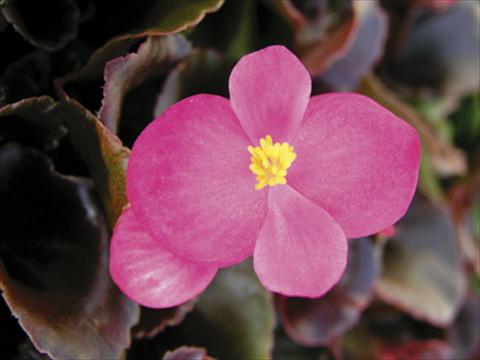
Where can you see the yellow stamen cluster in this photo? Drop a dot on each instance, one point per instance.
(270, 162)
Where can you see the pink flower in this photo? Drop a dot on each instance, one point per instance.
(204, 194)
(388, 232)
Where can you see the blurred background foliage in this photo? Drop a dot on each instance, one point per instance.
(79, 81)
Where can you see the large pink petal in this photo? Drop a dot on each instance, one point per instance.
(357, 161)
(189, 182)
(300, 250)
(269, 91)
(147, 272)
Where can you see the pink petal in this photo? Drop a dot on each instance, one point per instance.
(149, 274)
(301, 250)
(269, 91)
(188, 180)
(356, 160)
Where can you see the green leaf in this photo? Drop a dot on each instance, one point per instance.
(239, 35)
(173, 16)
(466, 127)
(429, 183)
(245, 31)
(476, 217)
(475, 284)
(3, 3)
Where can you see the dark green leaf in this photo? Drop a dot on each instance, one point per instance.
(440, 50)
(204, 71)
(321, 34)
(365, 49)
(27, 77)
(154, 321)
(154, 57)
(47, 24)
(464, 334)
(54, 263)
(101, 150)
(233, 319)
(422, 266)
(424, 349)
(319, 322)
(34, 122)
(238, 310)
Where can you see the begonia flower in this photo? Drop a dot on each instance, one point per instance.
(271, 173)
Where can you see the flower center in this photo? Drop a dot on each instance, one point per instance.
(270, 161)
